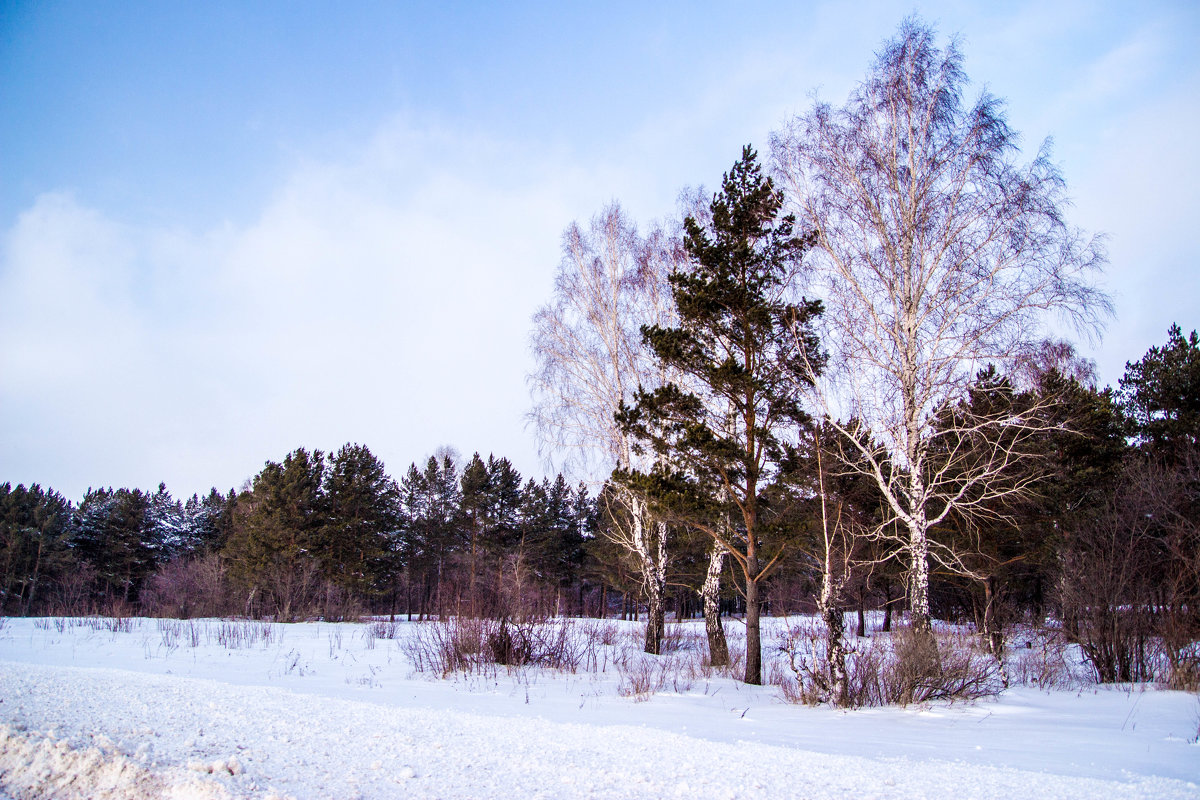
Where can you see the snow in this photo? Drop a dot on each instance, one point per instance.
(327, 711)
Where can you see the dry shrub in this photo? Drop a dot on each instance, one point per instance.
(185, 588)
(735, 641)
(736, 666)
(906, 667)
(643, 675)
(242, 634)
(1131, 578)
(682, 638)
(116, 617)
(780, 675)
(804, 647)
(338, 604)
(445, 646)
(383, 630)
(379, 630)
(472, 644)
(1184, 670)
(72, 592)
(604, 632)
(531, 642)
(947, 666)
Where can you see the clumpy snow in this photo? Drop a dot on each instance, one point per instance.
(215, 709)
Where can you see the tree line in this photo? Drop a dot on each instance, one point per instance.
(313, 534)
(322, 535)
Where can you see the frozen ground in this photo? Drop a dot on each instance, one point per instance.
(215, 710)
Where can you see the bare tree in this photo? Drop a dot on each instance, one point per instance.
(835, 553)
(590, 357)
(936, 254)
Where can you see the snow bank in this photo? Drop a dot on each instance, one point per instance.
(34, 767)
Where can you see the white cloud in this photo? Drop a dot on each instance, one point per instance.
(382, 298)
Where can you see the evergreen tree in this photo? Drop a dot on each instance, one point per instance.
(741, 347)
(476, 502)
(503, 505)
(361, 507)
(209, 520)
(276, 524)
(409, 549)
(431, 525)
(550, 546)
(111, 532)
(167, 527)
(1161, 397)
(33, 544)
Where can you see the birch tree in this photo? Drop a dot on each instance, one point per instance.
(937, 252)
(590, 357)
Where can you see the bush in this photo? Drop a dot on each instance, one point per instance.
(949, 666)
(471, 644)
(907, 667)
(1184, 670)
(186, 588)
(643, 675)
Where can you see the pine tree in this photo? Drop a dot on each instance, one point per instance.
(360, 517)
(476, 509)
(168, 531)
(740, 345)
(33, 544)
(111, 532)
(276, 524)
(1161, 397)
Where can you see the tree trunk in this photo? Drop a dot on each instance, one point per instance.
(992, 632)
(654, 618)
(918, 584)
(835, 651)
(710, 593)
(37, 566)
(655, 580)
(887, 606)
(753, 640)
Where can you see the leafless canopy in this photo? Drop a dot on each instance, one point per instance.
(938, 252)
(587, 341)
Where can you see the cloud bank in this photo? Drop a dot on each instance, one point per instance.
(382, 298)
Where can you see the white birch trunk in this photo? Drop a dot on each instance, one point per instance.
(710, 593)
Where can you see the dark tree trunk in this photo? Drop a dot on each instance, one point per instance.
(992, 631)
(887, 606)
(753, 640)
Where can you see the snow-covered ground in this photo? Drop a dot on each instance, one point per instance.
(215, 709)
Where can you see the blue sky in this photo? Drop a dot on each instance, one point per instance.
(229, 230)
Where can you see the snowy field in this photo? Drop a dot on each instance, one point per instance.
(219, 709)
